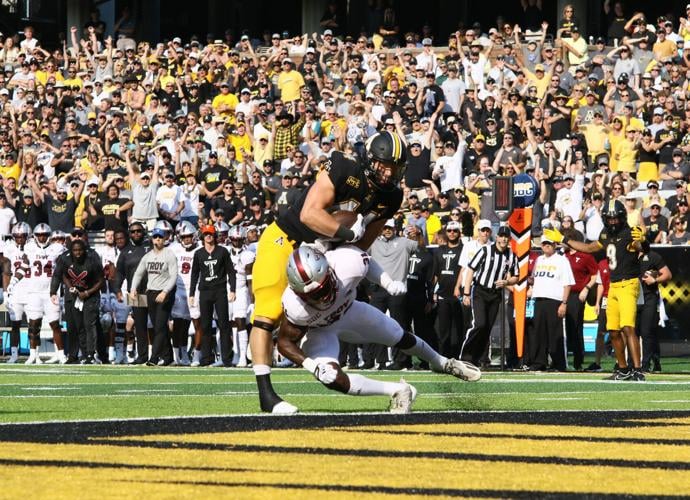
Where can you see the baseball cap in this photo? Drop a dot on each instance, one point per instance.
(483, 224)
(389, 223)
(328, 32)
(453, 225)
(539, 67)
(426, 41)
(544, 239)
(652, 184)
(504, 231)
(158, 232)
(677, 152)
(208, 229)
(655, 204)
(659, 111)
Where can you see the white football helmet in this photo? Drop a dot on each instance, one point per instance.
(42, 233)
(222, 231)
(21, 233)
(237, 236)
(311, 277)
(186, 234)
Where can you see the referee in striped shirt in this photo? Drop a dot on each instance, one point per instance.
(491, 269)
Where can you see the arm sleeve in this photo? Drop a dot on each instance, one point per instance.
(230, 271)
(56, 279)
(120, 274)
(139, 273)
(194, 279)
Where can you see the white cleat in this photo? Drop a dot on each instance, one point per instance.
(284, 408)
(54, 359)
(196, 358)
(31, 359)
(38, 360)
(13, 359)
(462, 370)
(242, 363)
(217, 364)
(62, 358)
(401, 401)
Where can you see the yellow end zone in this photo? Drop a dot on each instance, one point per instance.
(482, 459)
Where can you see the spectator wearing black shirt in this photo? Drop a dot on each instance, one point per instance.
(449, 310)
(229, 203)
(212, 271)
(60, 210)
(213, 178)
(112, 208)
(26, 210)
(255, 189)
(257, 216)
(418, 165)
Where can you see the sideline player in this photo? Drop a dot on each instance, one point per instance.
(369, 188)
(42, 255)
(184, 313)
(320, 305)
(243, 257)
(15, 252)
(622, 245)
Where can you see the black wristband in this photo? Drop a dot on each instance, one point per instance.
(344, 233)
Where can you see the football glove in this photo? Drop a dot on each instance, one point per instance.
(637, 234)
(323, 372)
(396, 288)
(358, 229)
(553, 235)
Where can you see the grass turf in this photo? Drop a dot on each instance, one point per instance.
(47, 393)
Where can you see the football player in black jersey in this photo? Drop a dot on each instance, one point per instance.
(622, 245)
(368, 187)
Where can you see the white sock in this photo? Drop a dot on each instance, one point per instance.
(363, 386)
(176, 355)
(424, 351)
(242, 340)
(261, 369)
(14, 351)
(111, 352)
(150, 351)
(32, 352)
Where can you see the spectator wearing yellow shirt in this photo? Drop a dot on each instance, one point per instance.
(241, 139)
(577, 49)
(263, 148)
(72, 79)
(9, 168)
(664, 48)
(615, 137)
(225, 102)
(595, 136)
(51, 71)
(289, 82)
(540, 79)
(626, 152)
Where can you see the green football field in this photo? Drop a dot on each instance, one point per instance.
(50, 393)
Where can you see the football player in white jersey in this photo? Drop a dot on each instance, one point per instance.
(42, 255)
(182, 312)
(319, 305)
(243, 259)
(16, 296)
(114, 314)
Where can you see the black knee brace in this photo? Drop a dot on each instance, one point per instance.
(406, 342)
(264, 325)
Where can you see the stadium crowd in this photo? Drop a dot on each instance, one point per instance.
(140, 142)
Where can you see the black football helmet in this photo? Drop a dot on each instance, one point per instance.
(388, 148)
(615, 216)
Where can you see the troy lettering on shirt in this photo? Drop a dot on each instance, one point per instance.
(211, 267)
(155, 267)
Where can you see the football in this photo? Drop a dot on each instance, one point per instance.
(345, 217)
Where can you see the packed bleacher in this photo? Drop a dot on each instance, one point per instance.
(109, 131)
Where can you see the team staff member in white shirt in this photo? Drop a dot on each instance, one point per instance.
(551, 281)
